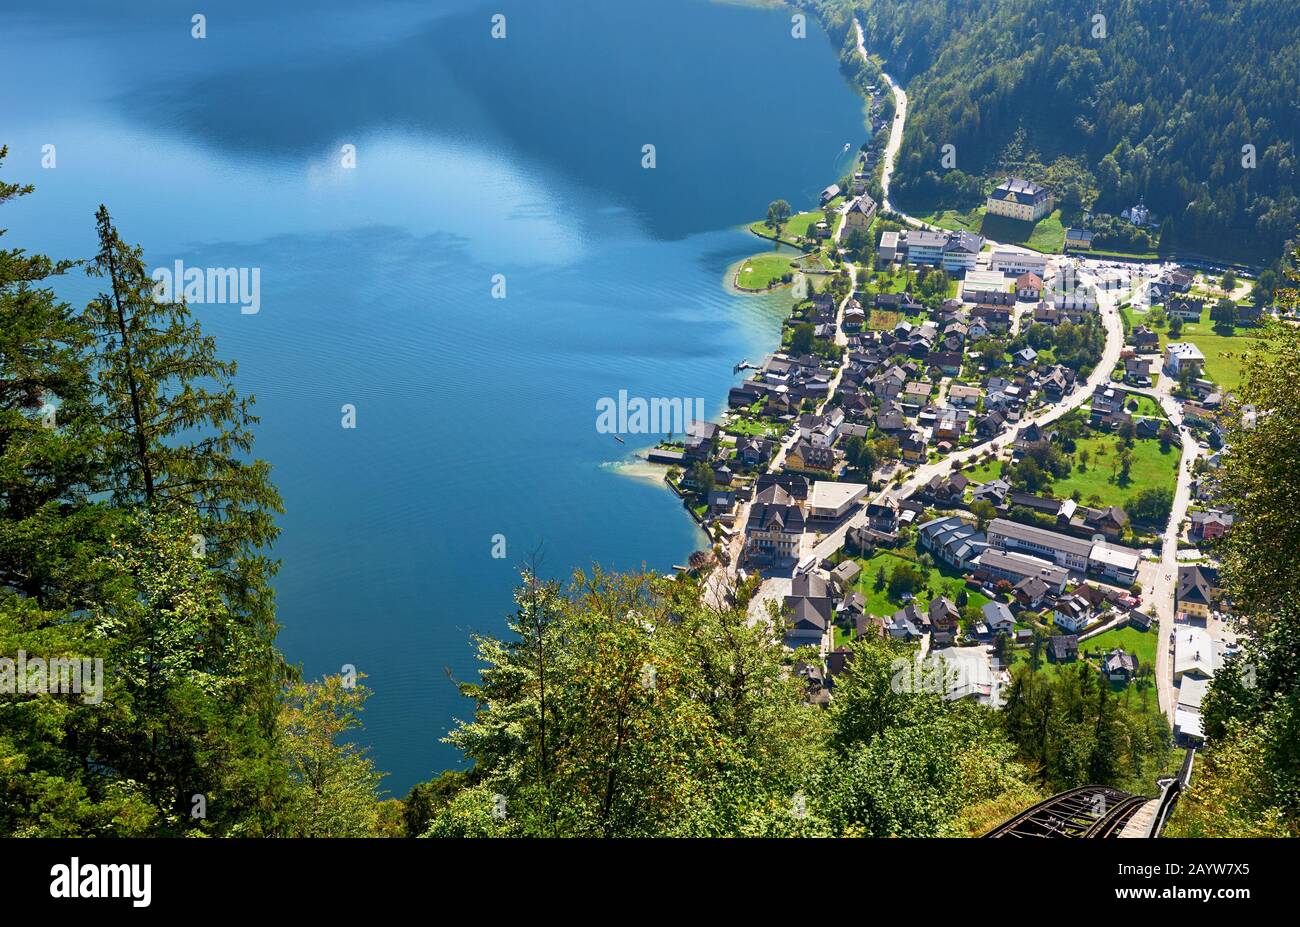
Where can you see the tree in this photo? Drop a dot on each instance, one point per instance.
(778, 214)
(179, 432)
(701, 476)
(663, 716)
(181, 735)
(335, 782)
(1251, 723)
(906, 579)
(802, 338)
(1151, 506)
(1125, 460)
(984, 512)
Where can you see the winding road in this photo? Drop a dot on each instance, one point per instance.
(1159, 579)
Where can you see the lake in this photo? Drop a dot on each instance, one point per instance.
(474, 163)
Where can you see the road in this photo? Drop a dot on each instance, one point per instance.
(1162, 578)
(1107, 304)
(895, 139)
(1163, 582)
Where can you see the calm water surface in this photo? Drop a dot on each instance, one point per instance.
(475, 157)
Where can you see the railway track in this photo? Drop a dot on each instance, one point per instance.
(1074, 813)
(1113, 822)
(1095, 811)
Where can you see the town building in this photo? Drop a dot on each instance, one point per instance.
(1021, 199)
(860, 214)
(775, 525)
(955, 542)
(832, 500)
(1078, 240)
(1198, 590)
(1183, 357)
(1015, 262)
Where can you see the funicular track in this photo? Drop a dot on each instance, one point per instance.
(1088, 811)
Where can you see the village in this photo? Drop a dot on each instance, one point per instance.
(998, 455)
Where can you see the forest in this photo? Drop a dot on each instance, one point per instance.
(1137, 101)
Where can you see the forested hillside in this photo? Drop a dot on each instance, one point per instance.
(1155, 102)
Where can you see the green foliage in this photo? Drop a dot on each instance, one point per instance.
(1151, 506)
(1250, 785)
(1157, 110)
(1070, 727)
(334, 783)
(133, 529)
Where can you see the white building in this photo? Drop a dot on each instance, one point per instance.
(1196, 654)
(985, 280)
(1183, 355)
(1016, 262)
(833, 499)
(888, 250)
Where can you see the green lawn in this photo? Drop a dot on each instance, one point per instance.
(942, 582)
(893, 282)
(1222, 352)
(957, 221)
(1150, 467)
(984, 472)
(1141, 644)
(883, 320)
(752, 427)
(1146, 406)
(796, 227)
(758, 271)
(1046, 235)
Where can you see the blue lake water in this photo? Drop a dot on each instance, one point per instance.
(474, 157)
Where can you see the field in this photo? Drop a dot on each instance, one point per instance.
(1146, 406)
(1141, 644)
(1222, 352)
(756, 272)
(984, 472)
(968, 221)
(882, 320)
(795, 228)
(1046, 235)
(1150, 467)
(878, 601)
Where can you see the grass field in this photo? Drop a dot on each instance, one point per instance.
(1141, 644)
(752, 428)
(1146, 406)
(757, 271)
(1046, 235)
(1222, 352)
(1150, 467)
(795, 228)
(879, 602)
(968, 221)
(882, 320)
(984, 472)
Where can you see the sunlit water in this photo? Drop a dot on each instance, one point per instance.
(474, 157)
